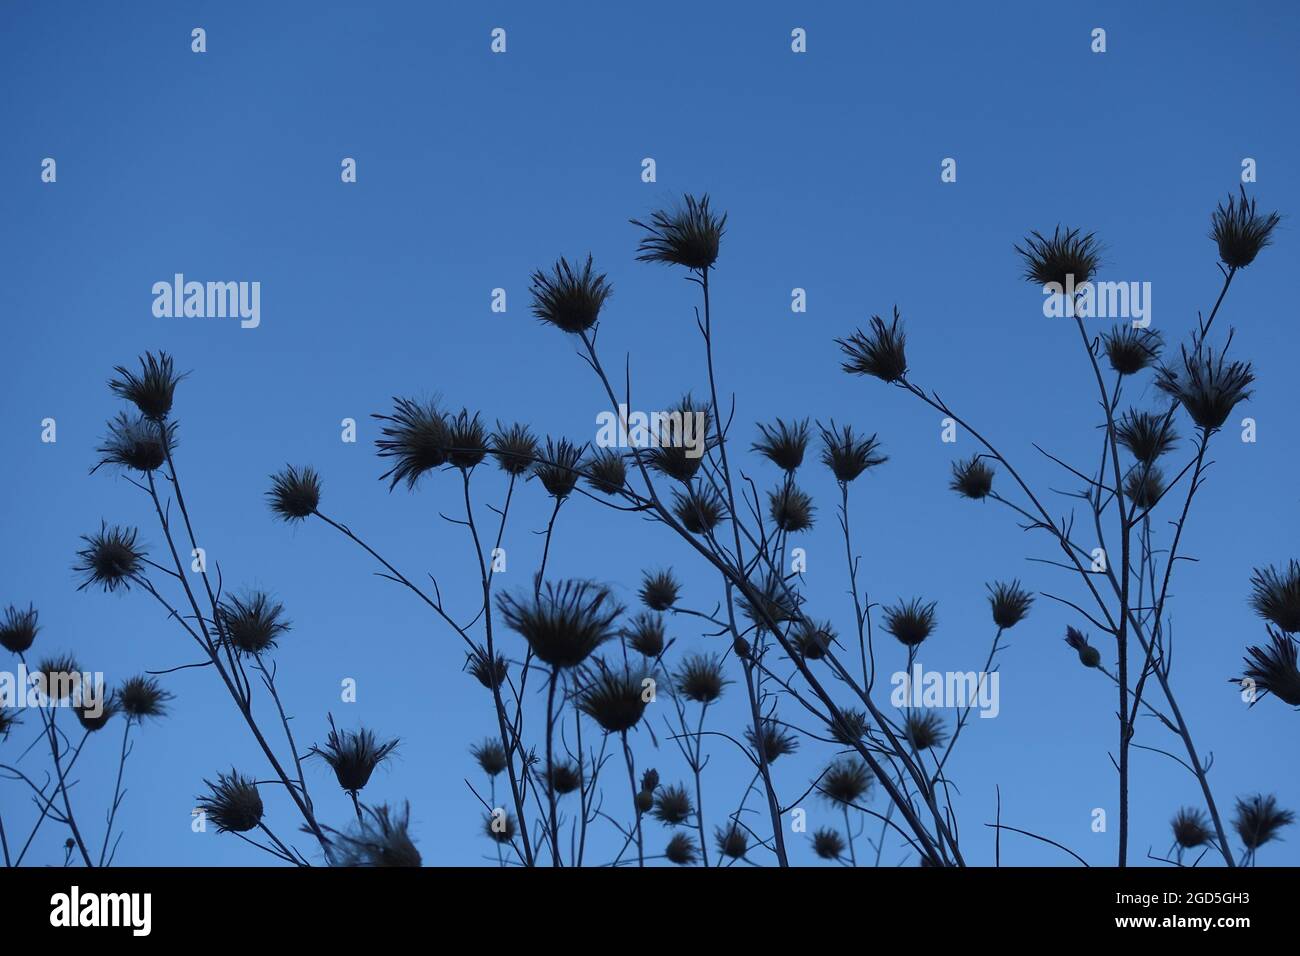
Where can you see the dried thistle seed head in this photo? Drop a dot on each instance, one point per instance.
(924, 730)
(1191, 828)
(972, 478)
(733, 842)
(565, 778)
(1010, 603)
(772, 741)
(1276, 595)
(500, 826)
(606, 471)
(142, 696)
(650, 780)
(792, 510)
(1146, 435)
(1144, 485)
(1272, 669)
(613, 697)
(689, 235)
(783, 444)
(673, 806)
(60, 677)
(682, 440)
(1089, 656)
(252, 624)
(881, 353)
(644, 801)
(814, 640)
(828, 844)
(93, 718)
(846, 781)
(488, 671)
(18, 629)
(563, 623)
(569, 298)
(354, 755)
(911, 622)
(467, 439)
(1259, 820)
(682, 850)
(152, 389)
(645, 634)
(775, 603)
(295, 493)
(1208, 387)
(1131, 350)
(136, 443)
(700, 678)
(849, 727)
(515, 448)
(490, 755)
(416, 437)
(558, 467)
(847, 455)
(1240, 231)
(383, 839)
(1066, 257)
(232, 803)
(700, 509)
(110, 558)
(659, 590)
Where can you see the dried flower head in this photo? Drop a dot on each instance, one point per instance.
(354, 755)
(682, 439)
(645, 634)
(1272, 669)
(60, 677)
(1147, 435)
(699, 678)
(659, 590)
(382, 839)
(849, 727)
(1067, 257)
(252, 623)
(846, 781)
(152, 389)
(1276, 595)
(1089, 656)
(1131, 350)
(563, 623)
(232, 803)
(772, 741)
(733, 842)
(1240, 231)
(689, 235)
(568, 298)
(847, 455)
(18, 629)
(490, 755)
(682, 850)
(500, 826)
(1010, 603)
(673, 805)
(1191, 828)
(924, 730)
(94, 716)
(416, 438)
(110, 558)
(515, 448)
(489, 671)
(1208, 387)
(828, 844)
(881, 353)
(700, 509)
(613, 697)
(774, 604)
(467, 439)
(295, 493)
(136, 443)
(1144, 485)
(792, 510)
(606, 471)
(1258, 820)
(565, 778)
(142, 696)
(558, 467)
(813, 640)
(911, 622)
(783, 444)
(972, 478)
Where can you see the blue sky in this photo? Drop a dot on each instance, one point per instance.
(473, 170)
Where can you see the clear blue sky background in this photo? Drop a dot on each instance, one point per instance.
(475, 169)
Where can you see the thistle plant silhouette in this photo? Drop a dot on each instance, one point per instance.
(601, 674)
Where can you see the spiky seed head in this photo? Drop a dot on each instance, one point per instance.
(1259, 820)
(645, 634)
(94, 718)
(416, 438)
(295, 493)
(772, 741)
(60, 677)
(110, 558)
(677, 453)
(792, 510)
(1066, 253)
(613, 697)
(488, 671)
(924, 730)
(972, 478)
(562, 623)
(1240, 231)
(142, 696)
(813, 640)
(689, 235)
(565, 778)
(1009, 602)
(1276, 595)
(673, 806)
(1272, 669)
(354, 755)
(1147, 435)
(500, 827)
(700, 678)
(570, 298)
(152, 389)
(253, 623)
(911, 622)
(774, 604)
(700, 509)
(783, 444)
(733, 842)
(659, 590)
(1131, 350)
(515, 447)
(558, 467)
(650, 780)
(1144, 485)
(682, 849)
(467, 439)
(847, 455)
(828, 844)
(606, 471)
(232, 803)
(18, 629)
(382, 839)
(490, 755)
(136, 443)
(1191, 828)
(881, 352)
(1089, 656)
(846, 781)
(1207, 386)
(849, 727)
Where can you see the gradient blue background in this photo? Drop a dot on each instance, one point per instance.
(475, 169)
